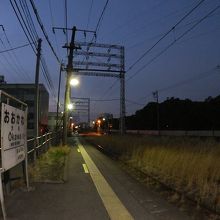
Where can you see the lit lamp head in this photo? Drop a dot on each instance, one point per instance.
(70, 106)
(74, 82)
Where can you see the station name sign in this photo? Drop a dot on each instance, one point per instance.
(13, 135)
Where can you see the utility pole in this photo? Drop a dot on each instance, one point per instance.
(122, 94)
(69, 71)
(156, 96)
(58, 99)
(89, 112)
(36, 99)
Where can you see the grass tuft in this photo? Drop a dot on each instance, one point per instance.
(50, 166)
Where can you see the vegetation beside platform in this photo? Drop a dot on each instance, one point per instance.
(50, 166)
(188, 165)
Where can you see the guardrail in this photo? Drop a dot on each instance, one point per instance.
(39, 145)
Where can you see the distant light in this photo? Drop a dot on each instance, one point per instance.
(103, 119)
(74, 82)
(61, 112)
(93, 122)
(70, 106)
(99, 121)
(71, 117)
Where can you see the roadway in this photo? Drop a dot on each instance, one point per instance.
(96, 188)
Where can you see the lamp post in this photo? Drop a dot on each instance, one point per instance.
(67, 90)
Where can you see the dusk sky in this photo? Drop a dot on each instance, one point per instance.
(187, 69)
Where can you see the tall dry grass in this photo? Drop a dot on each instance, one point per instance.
(190, 165)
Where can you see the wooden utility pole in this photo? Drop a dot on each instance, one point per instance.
(58, 96)
(69, 71)
(36, 99)
(156, 96)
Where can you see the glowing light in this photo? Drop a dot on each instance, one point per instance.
(70, 106)
(74, 82)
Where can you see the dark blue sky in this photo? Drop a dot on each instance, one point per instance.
(185, 70)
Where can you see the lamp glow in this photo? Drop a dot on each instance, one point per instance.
(70, 106)
(74, 82)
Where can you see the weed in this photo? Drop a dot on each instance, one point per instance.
(190, 165)
(50, 166)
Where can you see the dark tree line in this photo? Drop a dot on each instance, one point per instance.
(176, 114)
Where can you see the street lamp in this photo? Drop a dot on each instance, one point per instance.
(99, 122)
(74, 82)
(70, 106)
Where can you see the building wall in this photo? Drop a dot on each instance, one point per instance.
(26, 93)
(52, 118)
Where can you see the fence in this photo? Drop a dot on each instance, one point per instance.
(192, 133)
(39, 145)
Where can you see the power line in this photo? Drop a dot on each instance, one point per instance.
(66, 18)
(23, 26)
(101, 17)
(30, 32)
(186, 81)
(43, 29)
(89, 15)
(134, 102)
(173, 42)
(44, 68)
(104, 100)
(168, 32)
(14, 57)
(194, 78)
(52, 22)
(15, 48)
(28, 18)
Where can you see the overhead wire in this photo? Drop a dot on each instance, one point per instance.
(30, 32)
(101, 17)
(168, 32)
(16, 63)
(52, 22)
(89, 14)
(15, 48)
(23, 26)
(198, 76)
(44, 68)
(157, 42)
(66, 19)
(43, 29)
(173, 42)
(8, 61)
(24, 7)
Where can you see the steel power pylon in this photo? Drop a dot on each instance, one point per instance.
(105, 60)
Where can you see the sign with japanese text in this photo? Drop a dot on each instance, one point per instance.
(13, 136)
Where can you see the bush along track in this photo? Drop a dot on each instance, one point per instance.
(49, 168)
(188, 166)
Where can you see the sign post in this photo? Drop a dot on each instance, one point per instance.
(13, 138)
